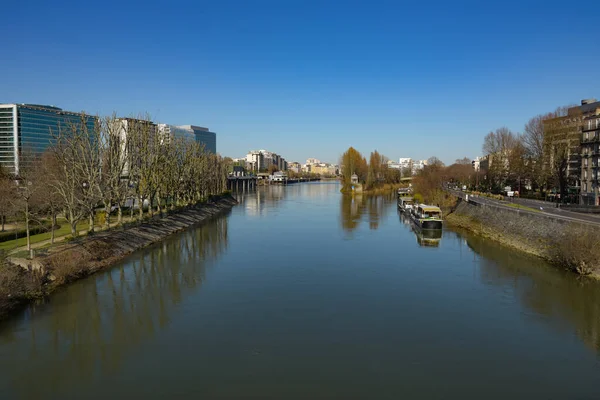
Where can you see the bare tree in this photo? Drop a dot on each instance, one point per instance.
(142, 159)
(499, 145)
(434, 161)
(28, 184)
(113, 158)
(75, 181)
(50, 200)
(534, 139)
(561, 145)
(7, 194)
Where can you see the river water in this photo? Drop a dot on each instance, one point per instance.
(302, 293)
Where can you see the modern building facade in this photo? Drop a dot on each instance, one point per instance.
(203, 136)
(170, 132)
(590, 164)
(573, 137)
(30, 128)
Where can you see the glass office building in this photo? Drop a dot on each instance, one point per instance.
(203, 136)
(30, 128)
(169, 132)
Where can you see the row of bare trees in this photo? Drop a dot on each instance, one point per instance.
(538, 157)
(115, 164)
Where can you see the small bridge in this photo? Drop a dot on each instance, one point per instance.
(241, 183)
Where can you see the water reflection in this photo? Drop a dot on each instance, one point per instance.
(558, 295)
(425, 238)
(93, 325)
(356, 208)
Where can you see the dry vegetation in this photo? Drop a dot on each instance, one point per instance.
(16, 286)
(374, 176)
(577, 249)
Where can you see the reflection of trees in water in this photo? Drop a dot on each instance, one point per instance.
(255, 202)
(90, 327)
(354, 207)
(258, 202)
(544, 289)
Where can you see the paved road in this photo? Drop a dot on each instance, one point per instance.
(542, 207)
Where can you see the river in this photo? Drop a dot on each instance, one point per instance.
(302, 293)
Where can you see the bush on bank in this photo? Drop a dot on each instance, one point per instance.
(570, 246)
(16, 285)
(578, 250)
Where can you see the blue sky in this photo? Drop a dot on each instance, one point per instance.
(308, 78)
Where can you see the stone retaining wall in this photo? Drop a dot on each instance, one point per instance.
(528, 231)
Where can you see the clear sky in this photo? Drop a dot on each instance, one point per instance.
(308, 78)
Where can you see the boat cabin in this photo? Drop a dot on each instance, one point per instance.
(405, 203)
(425, 211)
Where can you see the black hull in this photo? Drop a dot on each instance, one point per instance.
(428, 225)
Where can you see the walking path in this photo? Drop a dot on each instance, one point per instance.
(59, 239)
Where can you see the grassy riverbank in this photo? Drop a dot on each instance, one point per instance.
(570, 246)
(23, 281)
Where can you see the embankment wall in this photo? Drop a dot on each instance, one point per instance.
(528, 231)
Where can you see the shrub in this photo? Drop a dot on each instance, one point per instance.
(577, 249)
(21, 233)
(67, 265)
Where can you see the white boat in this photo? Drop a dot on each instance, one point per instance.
(405, 204)
(404, 191)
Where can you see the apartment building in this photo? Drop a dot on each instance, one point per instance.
(590, 160)
(262, 160)
(295, 167)
(571, 137)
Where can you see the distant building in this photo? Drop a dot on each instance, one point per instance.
(255, 161)
(262, 160)
(311, 161)
(30, 128)
(417, 166)
(170, 132)
(406, 165)
(203, 136)
(324, 169)
(295, 167)
(476, 163)
(393, 165)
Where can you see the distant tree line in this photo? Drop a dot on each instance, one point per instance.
(110, 167)
(534, 161)
(371, 175)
